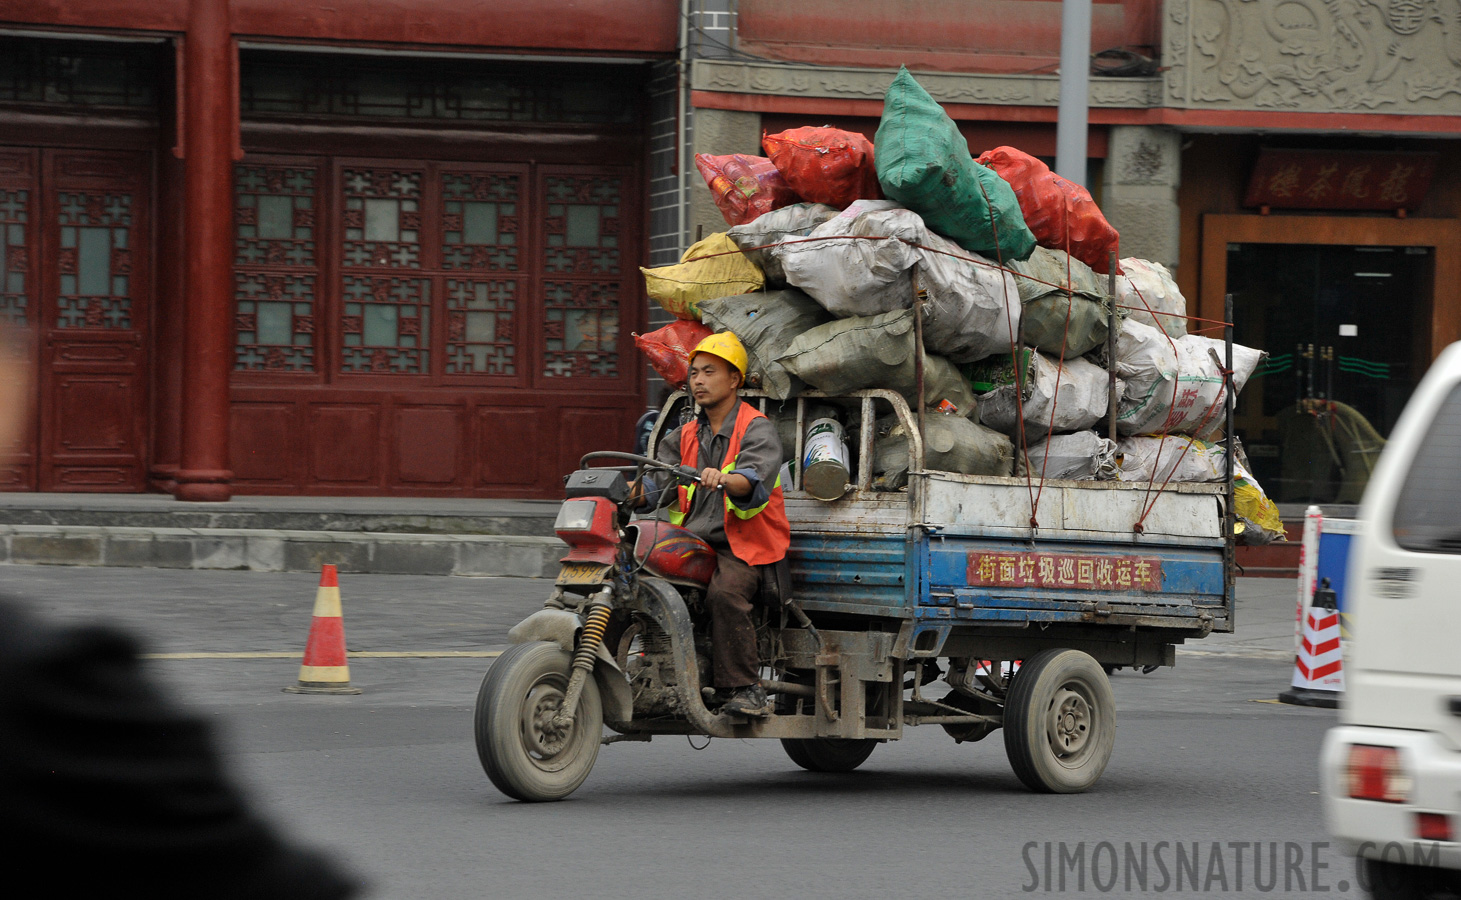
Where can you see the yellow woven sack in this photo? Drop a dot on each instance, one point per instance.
(713, 267)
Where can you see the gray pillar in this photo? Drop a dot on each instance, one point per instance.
(1143, 171)
(718, 132)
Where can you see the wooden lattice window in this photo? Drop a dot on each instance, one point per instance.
(480, 326)
(14, 257)
(382, 219)
(275, 267)
(95, 260)
(479, 221)
(386, 326)
(581, 299)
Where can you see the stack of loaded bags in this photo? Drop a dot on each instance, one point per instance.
(1011, 265)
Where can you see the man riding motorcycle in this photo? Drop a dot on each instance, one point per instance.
(737, 508)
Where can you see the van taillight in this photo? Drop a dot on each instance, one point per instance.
(1433, 826)
(1375, 773)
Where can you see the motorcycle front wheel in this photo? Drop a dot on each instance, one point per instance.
(524, 754)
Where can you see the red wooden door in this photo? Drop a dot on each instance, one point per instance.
(93, 319)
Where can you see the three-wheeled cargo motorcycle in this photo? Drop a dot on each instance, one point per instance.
(906, 607)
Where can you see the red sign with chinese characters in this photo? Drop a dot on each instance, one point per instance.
(1069, 571)
(1317, 179)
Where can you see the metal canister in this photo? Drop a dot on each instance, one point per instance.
(824, 464)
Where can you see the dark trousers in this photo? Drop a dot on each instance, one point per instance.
(733, 638)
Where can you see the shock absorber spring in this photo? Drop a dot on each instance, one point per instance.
(583, 662)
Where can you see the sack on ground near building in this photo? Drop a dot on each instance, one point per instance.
(1083, 456)
(923, 162)
(1175, 458)
(1059, 397)
(1174, 386)
(874, 352)
(786, 224)
(1042, 280)
(766, 322)
(1146, 290)
(825, 165)
(1060, 213)
(970, 302)
(713, 267)
(668, 349)
(744, 187)
(950, 444)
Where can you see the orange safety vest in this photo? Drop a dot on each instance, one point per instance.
(757, 536)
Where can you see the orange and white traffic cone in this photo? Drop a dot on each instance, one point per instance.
(326, 669)
(1319, 664)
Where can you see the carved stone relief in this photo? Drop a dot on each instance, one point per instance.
(871, 84)
(1386, 56)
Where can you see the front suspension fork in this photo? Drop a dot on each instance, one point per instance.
(583, 661)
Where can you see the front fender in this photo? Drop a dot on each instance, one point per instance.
(557, 626)
(561, 627)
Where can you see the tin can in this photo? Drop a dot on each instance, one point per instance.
(824, 464)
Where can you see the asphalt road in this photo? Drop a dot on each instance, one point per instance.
(389, 779)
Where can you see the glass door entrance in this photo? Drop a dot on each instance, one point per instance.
(1347, 332)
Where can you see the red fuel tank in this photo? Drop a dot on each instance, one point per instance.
(675, 554)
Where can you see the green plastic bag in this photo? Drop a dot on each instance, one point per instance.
(923, 162)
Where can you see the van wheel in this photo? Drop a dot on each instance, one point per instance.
(1398, 881)
(829, 754)
(1059, 722)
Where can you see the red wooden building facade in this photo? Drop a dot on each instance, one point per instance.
(245, 263)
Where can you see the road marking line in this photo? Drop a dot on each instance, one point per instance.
(359, 654)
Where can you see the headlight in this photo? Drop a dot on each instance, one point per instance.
(575, 515)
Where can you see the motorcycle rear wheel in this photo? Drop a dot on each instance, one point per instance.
(523, 754)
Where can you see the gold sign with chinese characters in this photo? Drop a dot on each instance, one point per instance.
(1068, 571)
(1318, 179)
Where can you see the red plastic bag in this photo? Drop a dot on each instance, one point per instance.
(825, 165)
(669, 349)
(1050, 203)
(744, 187)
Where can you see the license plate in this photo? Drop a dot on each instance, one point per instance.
(582, 573)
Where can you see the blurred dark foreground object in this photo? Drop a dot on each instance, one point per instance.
(108, 787)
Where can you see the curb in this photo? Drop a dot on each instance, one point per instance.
(263, 550)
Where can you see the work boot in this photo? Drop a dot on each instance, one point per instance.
(715, 697)
(748, 701)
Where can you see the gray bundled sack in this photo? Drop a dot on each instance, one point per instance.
(950, 444)
(787, 223)
(861, 266)
(1175, 385)
(766, 323)
(874, 352)
(1083, 456)
(1082, 399)
(1043, 324)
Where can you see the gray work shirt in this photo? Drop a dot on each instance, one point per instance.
(759, 461)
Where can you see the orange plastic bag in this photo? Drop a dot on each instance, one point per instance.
(825, 165)
(669, 349)
(1050, 204)
(744, 187)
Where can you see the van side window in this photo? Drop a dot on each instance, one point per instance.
(1426, 516)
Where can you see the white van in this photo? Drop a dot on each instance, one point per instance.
(1391, 770)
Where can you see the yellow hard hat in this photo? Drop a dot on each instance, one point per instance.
(726, 346)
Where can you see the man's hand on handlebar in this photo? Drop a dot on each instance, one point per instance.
(735, 485)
